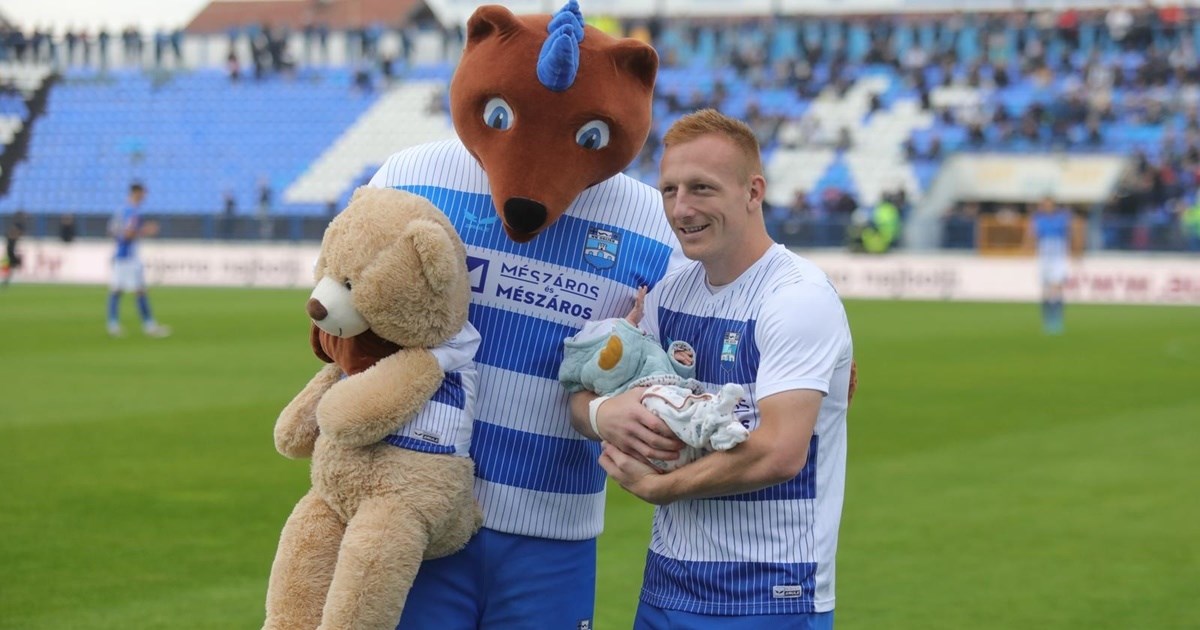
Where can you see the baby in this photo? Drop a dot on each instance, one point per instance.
(610, 356)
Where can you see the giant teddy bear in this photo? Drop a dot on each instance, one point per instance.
(391, 285)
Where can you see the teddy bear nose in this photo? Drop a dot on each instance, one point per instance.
(316, 310)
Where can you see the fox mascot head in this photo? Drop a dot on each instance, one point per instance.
(548, 106)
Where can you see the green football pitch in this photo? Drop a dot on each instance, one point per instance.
(997, 478)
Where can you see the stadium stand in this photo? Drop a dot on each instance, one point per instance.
(852, 111)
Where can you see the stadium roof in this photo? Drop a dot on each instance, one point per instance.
(221, 15)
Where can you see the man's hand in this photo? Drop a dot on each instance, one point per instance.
(623, 422)
(853, 381)
(635, 476)
(149, 228)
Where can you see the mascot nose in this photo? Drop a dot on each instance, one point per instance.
(316, 310)
(524, 215)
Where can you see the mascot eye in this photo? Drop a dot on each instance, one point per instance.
(497, 114)
(346, 284)
(593, 135)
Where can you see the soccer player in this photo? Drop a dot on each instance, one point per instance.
(743, 538)
(1050, 227)
(12, 255)
(533, 565)
(127, 227)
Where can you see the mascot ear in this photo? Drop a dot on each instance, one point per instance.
(637, 59)
(490, 20)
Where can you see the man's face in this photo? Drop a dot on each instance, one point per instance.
(706, 196)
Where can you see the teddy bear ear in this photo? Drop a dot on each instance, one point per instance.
(490, 20)
(439, 260)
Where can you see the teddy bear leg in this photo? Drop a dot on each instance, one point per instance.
(304, 565)
(380, 554)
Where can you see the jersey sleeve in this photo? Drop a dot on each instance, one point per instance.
(802, 333)
(382, 177)
(649, 321)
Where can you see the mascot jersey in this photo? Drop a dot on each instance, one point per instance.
(535, 475)
(770, 551)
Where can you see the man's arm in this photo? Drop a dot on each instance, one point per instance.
(625, 423)
(775, 451)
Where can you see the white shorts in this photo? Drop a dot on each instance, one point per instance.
(1053, 271)
(127, 275)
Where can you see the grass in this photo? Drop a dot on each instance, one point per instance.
(997, 478)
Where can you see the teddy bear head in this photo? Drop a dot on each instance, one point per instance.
(548, 106)
(391, 274)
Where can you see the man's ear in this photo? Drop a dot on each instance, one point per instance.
(758, 189)
(490, 20)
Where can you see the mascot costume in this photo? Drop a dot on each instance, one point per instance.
(548, 112)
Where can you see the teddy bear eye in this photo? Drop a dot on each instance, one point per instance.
(498, 114)
(346, 284)
(593, 135)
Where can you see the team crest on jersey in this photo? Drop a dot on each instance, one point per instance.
(729, 346)
(600, 249)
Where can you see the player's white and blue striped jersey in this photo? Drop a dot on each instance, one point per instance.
(535, 475)
(444, 424)
(779, 327)
(1053, 231)
(125, 219)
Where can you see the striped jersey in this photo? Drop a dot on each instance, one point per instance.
(1053, 231)
(126, 218)
(443, 425)
(779, 327)
(535, 475)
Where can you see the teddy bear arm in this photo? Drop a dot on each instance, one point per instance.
(296, 428)
(364, 408)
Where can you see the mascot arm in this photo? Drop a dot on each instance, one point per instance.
(296, 429)
(364, 408)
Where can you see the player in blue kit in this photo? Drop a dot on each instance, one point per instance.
(127, 227)
(744, 538)
(1050, 228)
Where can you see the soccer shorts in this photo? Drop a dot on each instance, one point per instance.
(1053, 270)
(506, 581)
(654, 618)
(127, 275)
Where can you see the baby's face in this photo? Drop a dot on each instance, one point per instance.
(683, 356)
